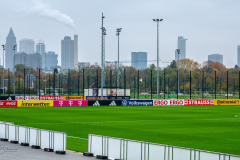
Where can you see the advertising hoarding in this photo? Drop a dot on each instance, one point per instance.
(227, 102)
(69, 103)
(104, 103)
(96, 97)
(74, 97)
(199, 102)
(9, 98)
(34, 103)
(137, 102)
(172, 102)
(8, 103)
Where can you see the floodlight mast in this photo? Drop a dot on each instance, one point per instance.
(102, 55)
(157, 20)
(3, 66)
(14, 68)
(178, 51)
(118, 33)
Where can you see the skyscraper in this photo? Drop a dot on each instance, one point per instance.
(67, 53)
(182, 47)
(51, 59)
(75, 51)
(29, 60)
(26, 45)
(216, 58)
(139, 60)
(238, 55)
(40, 48)
(10, 42)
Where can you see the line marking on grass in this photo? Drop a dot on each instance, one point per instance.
(133, 121)
(78, 138)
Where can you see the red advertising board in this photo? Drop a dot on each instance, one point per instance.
(8, 103)
(51, 98)
(37, 98)
(199, 102)
(68, 103)
(171, 102)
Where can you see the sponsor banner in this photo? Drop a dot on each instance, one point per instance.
(51, 98)
(73, 97)
(9, 98)
(120, 97)
(137, 102)
(67, 103)
(172, 102)
(105, 103)
(27, 98)
(227, 102)
(96, 98)
(8, 103)
(199, 102)
(34, 103)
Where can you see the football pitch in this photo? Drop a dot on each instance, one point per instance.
(213, 128)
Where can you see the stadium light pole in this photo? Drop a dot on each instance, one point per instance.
(118, 33)
(14, 68)
(157, 20)
(3, 66)
(102, 71)
(45, 53)
(178, 51)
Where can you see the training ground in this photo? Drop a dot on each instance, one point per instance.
(212, 128)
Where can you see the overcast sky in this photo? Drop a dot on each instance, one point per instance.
(211, 26)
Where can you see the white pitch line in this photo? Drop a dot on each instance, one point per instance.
(78, 138)
(133, 121)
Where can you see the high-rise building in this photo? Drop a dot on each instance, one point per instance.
(40, 48)
(33, 60)
(139, 60)
(27, 45)
(67, 53)
(216, 58)
(75, 51)
(238, 55)
(10, 42)
(182, 47)
(51, 59)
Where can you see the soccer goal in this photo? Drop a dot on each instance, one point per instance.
(52, 92)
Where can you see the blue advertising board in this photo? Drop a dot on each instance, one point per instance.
(137, 102)
(96, 97)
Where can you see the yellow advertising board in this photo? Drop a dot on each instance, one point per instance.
(35, 103)
(74, 97)
(227, 102)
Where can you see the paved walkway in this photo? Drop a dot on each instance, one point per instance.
(10, 151)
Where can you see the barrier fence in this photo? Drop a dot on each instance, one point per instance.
(116, 148)
(36, 138)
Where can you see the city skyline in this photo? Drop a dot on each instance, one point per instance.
(206, 31)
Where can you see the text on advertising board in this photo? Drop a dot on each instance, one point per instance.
(137, 102)
(70, 103)
(73, 97)
(168, 102)
(37, 98)
(8, 103)
(96, 98)
(199, 102)
(35, 103)
(227, 102)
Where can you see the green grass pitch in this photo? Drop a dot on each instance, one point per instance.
(213, 128)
